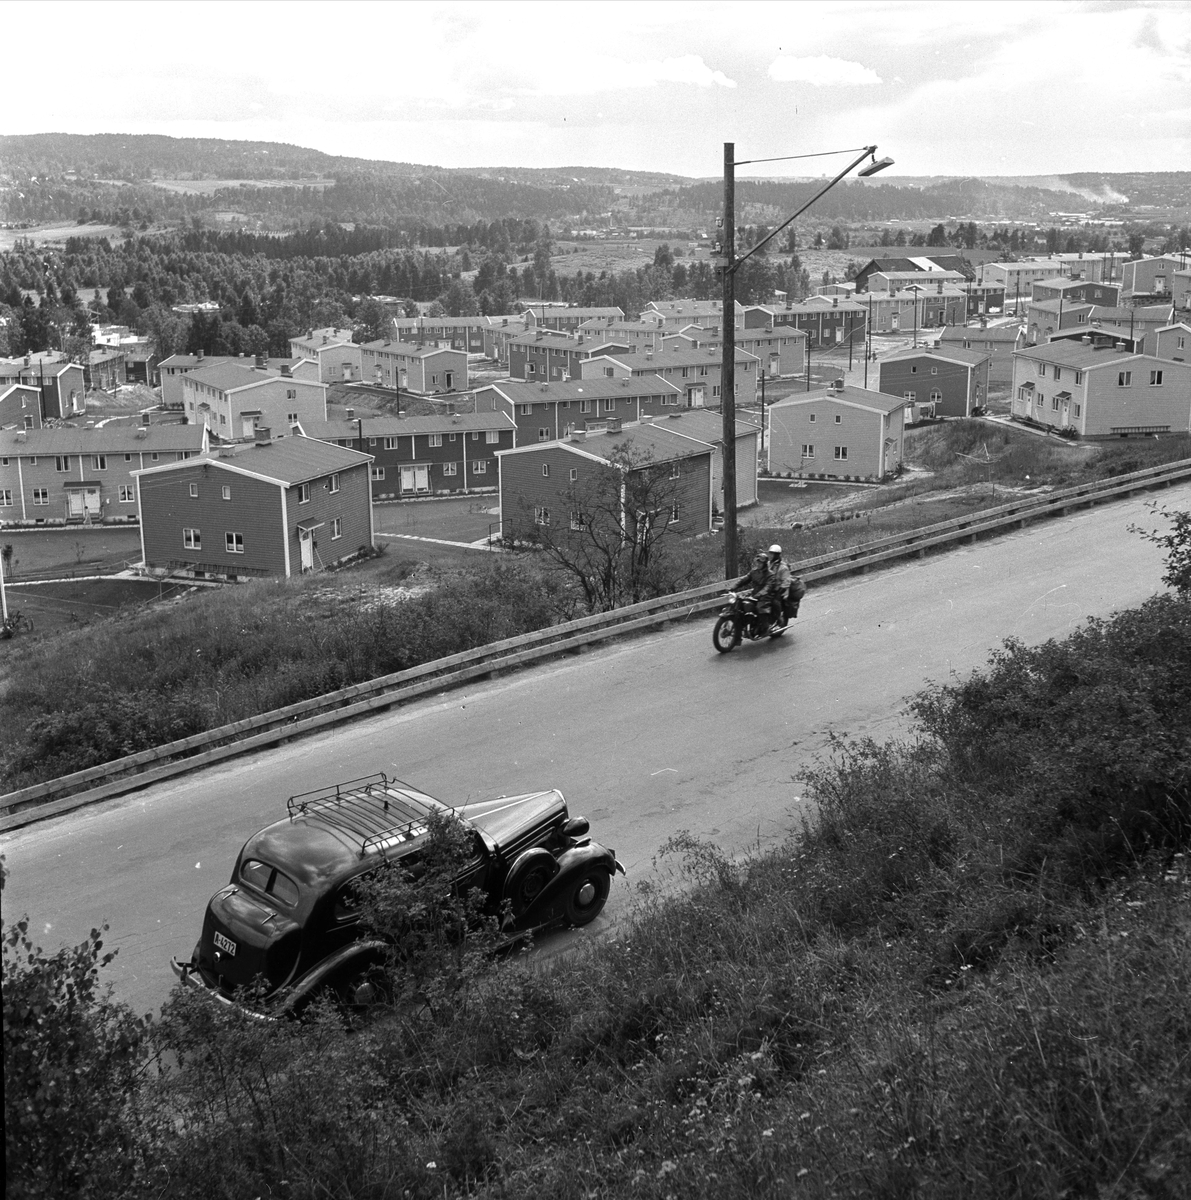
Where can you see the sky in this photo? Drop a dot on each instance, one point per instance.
(978, 87)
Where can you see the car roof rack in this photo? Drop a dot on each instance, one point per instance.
(383, 813)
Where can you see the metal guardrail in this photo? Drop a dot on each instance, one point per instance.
(136, 771)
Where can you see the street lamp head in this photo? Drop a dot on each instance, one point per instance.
(878, 164)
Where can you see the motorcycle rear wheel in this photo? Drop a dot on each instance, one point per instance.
(725, 636)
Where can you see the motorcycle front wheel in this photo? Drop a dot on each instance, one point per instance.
(725, 636)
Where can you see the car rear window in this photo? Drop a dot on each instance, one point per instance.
(270, 880)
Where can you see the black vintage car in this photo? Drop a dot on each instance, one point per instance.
(288, 913)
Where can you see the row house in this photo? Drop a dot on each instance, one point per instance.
(1180, 290)
(1103, 267)
(62, 475)
(896, 281)
(840, 432)
(422, 370)
(437, 455)
(272, 507)
(947, 381)
(825, 320)
(499, 334)
(105, 369)
(708, 427)
(234, 400)
(552, 489)
(677, 313)
(1047, 318)
(1139, 322)
(172, 369)
(451, 333)
(916, 307)
(1080, 291)
(918, 264)
(697, 372)
(337, 356)
(1094, 335)
(781, 352)
(1101, 391)
(542, 356)
(62, 383)
(20, 406)
(565, 319)
(545, 412)
(984, 299)
(997, 341)
(1018, 278)
(1152, 276)
(1173, 342)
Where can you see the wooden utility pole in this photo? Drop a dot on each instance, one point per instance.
(728, 363)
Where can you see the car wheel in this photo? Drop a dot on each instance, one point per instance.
(725, 636)
(586, 897)
(528, 879)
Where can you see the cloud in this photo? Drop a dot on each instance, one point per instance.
(821, 71)
(585, 74)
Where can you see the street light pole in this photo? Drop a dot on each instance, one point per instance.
(728, 363)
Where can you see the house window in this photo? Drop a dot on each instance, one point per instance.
(578, 520)
(291, 393)
(377, 473)
(839, 420)
(533, 370)
(334, 485)
(1180, 343)
(935, 370)
(676, 470)
(128, 458)
(450, 468)
(291, 418)
(491, 436)
(1042, 370)
(336, 528)
(1054, 402)
(585, 406)
(608, 373)
(479, 466)
(303, 493)
(372, 442)
(541, 516)
(1155, 379)
(574, 474)
(127, 493)
(6, 498)
(526, 409)
(936, 396)
(1077, 410)
(1124, 379)
(543, 434)
(226, 492)
(390, 443)
(192, 539)
(1058, 373)
(812, 418)
(808, 450)
(1078, 378)
(100, 462)
(62, 462)
(233, 543)
(436, 439)
(545, 470)
(913, 370)
(841, 453)
(609, 406)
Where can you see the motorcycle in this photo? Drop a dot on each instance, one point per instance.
(744, 617)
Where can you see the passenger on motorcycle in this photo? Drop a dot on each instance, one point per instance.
(759, 581)
(785, 585)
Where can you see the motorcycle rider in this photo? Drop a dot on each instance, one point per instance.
(759, 581)
(778, 586)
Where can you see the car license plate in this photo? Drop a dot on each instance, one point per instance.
(225, 944)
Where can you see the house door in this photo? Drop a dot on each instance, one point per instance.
(247, 426)
(450, 378)
(421, 479)
(74, 503)
(407, 479)
(694, 397)
(895, 321)
(306, 545)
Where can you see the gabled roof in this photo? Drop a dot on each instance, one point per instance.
(286, 461)
(663, 360)
(408, 349)
(1143, 312)
(962, 355)
(1067, 306)
(992, 333)
(853, 397)
(398, 426)
(597, 388)
(1071, 352)
(703, 425)
(544, 312)
(551, 339)
(106, 439)
(651, 438)
(233, 374)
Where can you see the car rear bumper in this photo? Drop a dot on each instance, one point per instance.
(191, 976)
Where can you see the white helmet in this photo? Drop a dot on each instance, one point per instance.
(775, 551)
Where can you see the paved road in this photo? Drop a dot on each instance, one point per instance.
(646, 738)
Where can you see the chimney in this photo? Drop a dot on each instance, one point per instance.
(579, 435)
(141, 432)
(837, 385)
(262, 435)
(1086, 339)
(325, 339)
(543, 387)
(624, 383)
(835, 300)
(145, 418)
(349, 413)
(613, 425)
(261, 364)
(287, 370)
(388, 340)
(310, 333)
(200, 354)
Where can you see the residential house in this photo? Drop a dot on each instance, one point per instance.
(1152, 276)
(233, 400)
(176, 365)
(545, 485)
(1080, 291)
(20, 406)
(1180, 290)
(1018, 278)
(825, 320)
(1104, 266)
(541, 355)
(1045, 318)
(949, 381)
(337, 356)
(1100, 391)
(896, 281)
(438, 455)
(423, 370)
(545, 412)
(677, 313)
(61, 382)
(499, 334)
(1140, 322)
(916, 307)
(451, 333)
(782, 352)
(267, 508)
(64, 475)
(1094, 335)
(920, 264)
(707, 427)
(997, 341)
(1172, 342)
(564, 319)
(840, 432)
(105, 369)
(696, 372)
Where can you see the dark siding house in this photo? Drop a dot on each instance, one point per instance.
(952, 381)
(271, 508)
(438, 455)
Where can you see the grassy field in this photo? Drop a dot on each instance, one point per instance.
(208, 187)
(56, 233)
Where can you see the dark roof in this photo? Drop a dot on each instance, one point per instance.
(288, 460)
(864, 397)
(393, 426)
(105, 439)
(958, 354)
(1071, 352)
(993, 333)
(597, 388)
